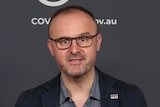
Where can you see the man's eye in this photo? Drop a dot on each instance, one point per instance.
(83, 39)
(63, 41)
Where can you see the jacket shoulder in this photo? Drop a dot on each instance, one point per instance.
(33, 96)
(129, 95)
(113, 82)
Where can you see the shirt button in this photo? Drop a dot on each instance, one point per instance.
(70, 100)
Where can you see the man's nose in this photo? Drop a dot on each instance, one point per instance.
(74, 47)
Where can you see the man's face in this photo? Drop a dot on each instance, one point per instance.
(74, 61)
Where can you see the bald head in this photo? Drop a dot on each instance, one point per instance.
(70, 11)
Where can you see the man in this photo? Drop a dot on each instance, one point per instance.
(74, 41)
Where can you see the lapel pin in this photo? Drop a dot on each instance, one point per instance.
(113, 96)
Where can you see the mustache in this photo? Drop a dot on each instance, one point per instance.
(75, 56)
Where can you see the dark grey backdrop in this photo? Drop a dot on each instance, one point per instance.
(130, 49)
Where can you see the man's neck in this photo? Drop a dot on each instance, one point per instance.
(79, 88)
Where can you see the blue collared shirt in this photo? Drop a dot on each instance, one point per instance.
(92, 101)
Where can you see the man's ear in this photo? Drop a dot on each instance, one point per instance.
(99, 41)
(50, 47)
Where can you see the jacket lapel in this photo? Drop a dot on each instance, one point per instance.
(50, 98)
(109, 94)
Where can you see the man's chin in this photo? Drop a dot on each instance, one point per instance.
(76, 73)
(77, 76)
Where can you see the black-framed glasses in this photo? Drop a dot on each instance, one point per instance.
(66, 42)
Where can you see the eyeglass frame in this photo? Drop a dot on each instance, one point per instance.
(71, 39)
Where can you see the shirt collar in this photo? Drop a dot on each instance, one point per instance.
(63, 92)
(95, 91)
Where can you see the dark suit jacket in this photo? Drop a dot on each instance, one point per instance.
(47, 95)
